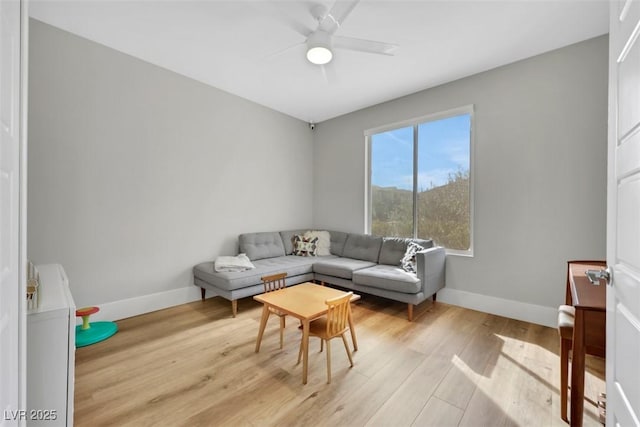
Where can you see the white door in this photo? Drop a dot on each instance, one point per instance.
(623, 212)
(12, 289)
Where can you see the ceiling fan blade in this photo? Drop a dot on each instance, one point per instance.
(336, 16)
(281, 51)
(329, 73)
(361, 45)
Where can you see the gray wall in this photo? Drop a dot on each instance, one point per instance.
(137, 173)
(540, 169)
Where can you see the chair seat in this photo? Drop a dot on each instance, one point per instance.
(566, 320)
(318, 328)
(568, 309)
(565, 325)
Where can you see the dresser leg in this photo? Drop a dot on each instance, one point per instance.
(577, 370)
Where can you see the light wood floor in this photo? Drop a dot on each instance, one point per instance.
(195, 365)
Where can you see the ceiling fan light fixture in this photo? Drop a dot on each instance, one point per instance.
(319, 48)
(319, 55)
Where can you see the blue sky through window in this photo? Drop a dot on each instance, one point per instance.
(392, 158)
(444, 149)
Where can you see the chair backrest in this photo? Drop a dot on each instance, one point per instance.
(273, 282)
(338, 314)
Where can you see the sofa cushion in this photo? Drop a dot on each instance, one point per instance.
(287, 239)
(389, 277)
(304, 246)
(338, 238)
(392, 250)
(363, 247)
(261, 245)
(340, 267)
(291, 264)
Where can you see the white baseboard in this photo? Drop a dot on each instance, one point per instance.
(130, 307)
(541, 315)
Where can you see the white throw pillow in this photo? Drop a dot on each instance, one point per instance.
(324, 241)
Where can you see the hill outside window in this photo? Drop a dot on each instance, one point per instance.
(420, 180)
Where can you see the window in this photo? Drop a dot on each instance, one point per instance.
(420, 180)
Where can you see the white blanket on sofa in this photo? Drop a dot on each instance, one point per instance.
(233, 263)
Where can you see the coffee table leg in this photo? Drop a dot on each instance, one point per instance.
(305, 350)
(353, 331)
(263, 323)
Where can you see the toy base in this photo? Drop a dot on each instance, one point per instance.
(98, 331)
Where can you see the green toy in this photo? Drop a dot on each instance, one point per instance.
(92, 332)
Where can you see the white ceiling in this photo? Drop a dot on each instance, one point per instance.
(237, 46)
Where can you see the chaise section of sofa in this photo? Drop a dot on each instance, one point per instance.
(360, 262)
(385, 277)
(269, 253)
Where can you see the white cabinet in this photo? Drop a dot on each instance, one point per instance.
(51, 351)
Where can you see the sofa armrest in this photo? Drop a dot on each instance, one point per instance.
(430, 265)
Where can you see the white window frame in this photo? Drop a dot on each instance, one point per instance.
(415, 122)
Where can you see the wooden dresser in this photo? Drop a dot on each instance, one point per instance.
(590, 302)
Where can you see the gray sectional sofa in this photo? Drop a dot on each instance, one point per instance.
(360, 262)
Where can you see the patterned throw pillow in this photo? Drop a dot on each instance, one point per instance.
(303, 246)
(408, 261)
(324, 241)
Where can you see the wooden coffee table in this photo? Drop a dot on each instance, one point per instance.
(306, 302)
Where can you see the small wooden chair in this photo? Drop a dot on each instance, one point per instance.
(273, 283)
(334, 325)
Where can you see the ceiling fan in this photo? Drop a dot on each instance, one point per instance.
(322, 40)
